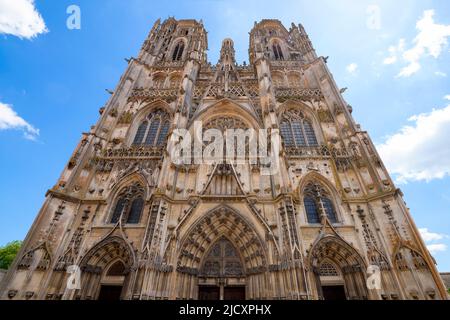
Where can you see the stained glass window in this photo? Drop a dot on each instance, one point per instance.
(316, 199)
(140, 133)
(118, 210)
(309, 132)
(154, 130)
(163, 134)
(129, 205)
(297, 131)
(329, 209)
(312, 213)
(286, 133)
(134, 216)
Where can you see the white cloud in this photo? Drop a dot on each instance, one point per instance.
(20, 18)
(410, 69)
(447, 97)
(429, 236)
(9, 119)
(394, 52)
(440, 74)
(420, 151)
(429, 41)
(437, 247)
(352, 68)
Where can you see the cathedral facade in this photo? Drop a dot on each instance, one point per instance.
(126, 221)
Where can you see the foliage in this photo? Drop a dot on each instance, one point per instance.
(8, 253)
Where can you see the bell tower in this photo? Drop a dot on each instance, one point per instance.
(270, 39)
(175, 41)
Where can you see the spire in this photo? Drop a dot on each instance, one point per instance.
(227, 54)
(306, 42)
(156, 24)
(226, 67)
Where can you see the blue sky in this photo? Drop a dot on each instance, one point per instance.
(392, 55)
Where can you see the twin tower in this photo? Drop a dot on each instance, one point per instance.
(125, 222)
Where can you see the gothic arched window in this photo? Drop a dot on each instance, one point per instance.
(316, 200)
(153, 130)
(276, 48)
(120, 205)
(140, 134)
(134, 216)
(329, 209)
(178, 51)
(129, 205)
(297, 131)
(312, 213)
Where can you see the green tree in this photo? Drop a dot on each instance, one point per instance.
(8, 253)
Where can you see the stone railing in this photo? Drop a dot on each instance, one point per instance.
(136, 152)
(169, 64)
(286, 93)
(286, 63)
(306, 152)
(169, 95)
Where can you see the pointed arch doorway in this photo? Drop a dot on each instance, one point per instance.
(112, 282)
(338, 269)
(106, 270)
(222, 275)
(332, 282)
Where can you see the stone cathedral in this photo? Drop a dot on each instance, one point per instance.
(125, 222)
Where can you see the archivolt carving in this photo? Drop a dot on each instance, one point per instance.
(104, 252)
(218, 223)
(224, 123)
(338, 251)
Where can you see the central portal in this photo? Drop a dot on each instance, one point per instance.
(222, 275)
